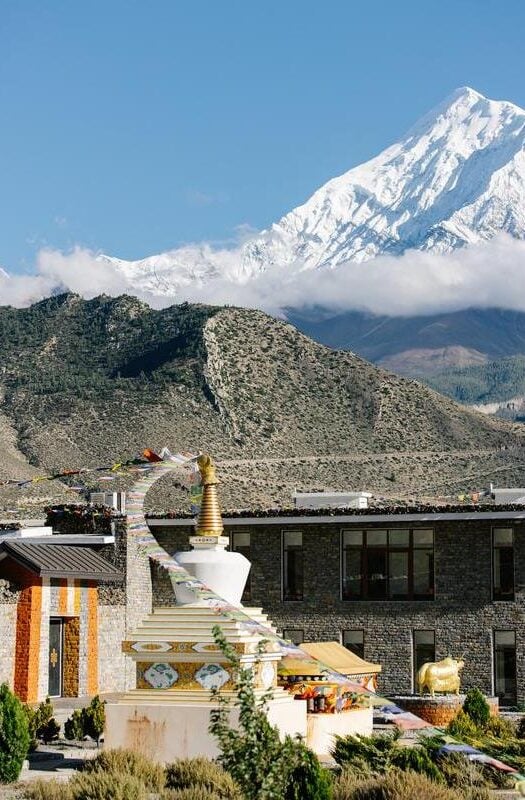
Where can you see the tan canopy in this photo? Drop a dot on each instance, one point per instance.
(339, 658)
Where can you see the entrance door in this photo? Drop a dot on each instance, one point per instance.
(55, 657)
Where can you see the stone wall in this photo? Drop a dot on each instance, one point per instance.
(9, 595)
(463, 615)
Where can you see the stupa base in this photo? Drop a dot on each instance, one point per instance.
(163, 727)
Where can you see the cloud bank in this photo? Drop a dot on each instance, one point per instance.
(487, 275)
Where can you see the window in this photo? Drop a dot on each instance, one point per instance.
(385, 564)
(355, 642)
(240, 542)
(294, 635)
(503, 564)
(293, 561)
(505, 666)
(424, 650)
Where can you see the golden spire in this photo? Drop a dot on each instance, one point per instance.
(209, 522)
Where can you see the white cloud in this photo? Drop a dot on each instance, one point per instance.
(491, 274)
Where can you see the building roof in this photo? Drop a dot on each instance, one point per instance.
(309, 516)
(339, 658)
(60, 561)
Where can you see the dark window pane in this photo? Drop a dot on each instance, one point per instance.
(293, 563)
(398, 538)
(355, 641)
(376, 573)
(503, 564)
(376, 538)
(423, 538)
(505, 666)
(424, 650)
(294, 635)
(352, 538)
(398, 584)
(423, 573)
(352, 574)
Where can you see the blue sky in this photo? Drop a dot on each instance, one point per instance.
(130, 127)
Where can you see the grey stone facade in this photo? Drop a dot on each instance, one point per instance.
(463, 614)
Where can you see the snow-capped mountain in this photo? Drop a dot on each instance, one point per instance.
(456, 178)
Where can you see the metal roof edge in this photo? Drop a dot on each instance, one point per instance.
(348, 518)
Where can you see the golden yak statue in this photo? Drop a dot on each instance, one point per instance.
(440, 676)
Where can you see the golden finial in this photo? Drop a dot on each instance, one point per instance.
(209, 522)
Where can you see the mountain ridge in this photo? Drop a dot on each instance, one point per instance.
(457, 177)
(87, 382)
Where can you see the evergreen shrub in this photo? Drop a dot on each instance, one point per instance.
(128, 762)
(185, 773)
(309, 779)
(14, 735)
(477, 708)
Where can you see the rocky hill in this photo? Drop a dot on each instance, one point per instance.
(89, 381)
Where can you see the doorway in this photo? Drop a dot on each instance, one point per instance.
(55, 661)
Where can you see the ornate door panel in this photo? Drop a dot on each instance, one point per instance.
(55, 658)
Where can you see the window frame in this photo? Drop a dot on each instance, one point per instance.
(295, 630)
(356, 630)
(415, 668)
(494, 595)
(495, 648)
(285, 599)
(411, 548)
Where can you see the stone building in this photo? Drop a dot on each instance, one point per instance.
(68, 594)
(397, 588)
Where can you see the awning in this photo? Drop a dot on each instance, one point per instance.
(339, 658)
(59, 561)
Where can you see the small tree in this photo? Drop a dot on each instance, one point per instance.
(95, 718)
(253, 754)
(14, 735)
(477, 708)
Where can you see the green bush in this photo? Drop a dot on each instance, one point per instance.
(95, 718)
(375, 751)
(418, 760)
(520, 728)
(107, 786)
(459, 771)
(501, 728)
(42, 724)
(477, 708)
(191, 793)
(309, 780)
(89, 721)
(127, 762)
(393, 785)
(185, 773)
(47, 790)
(462, 726)
(14, 735)
(74, 726)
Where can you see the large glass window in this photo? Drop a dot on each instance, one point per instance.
(505, 666)
(395, 564)
(240, 542)
(503, 564)
(354, 640)
(293, 562)
(424, 650)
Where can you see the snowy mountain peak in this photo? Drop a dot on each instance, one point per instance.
(457, 177)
